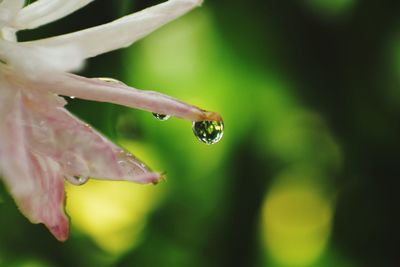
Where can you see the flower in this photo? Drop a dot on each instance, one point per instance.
(41, 143)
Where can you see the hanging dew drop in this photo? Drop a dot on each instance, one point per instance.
(76, 180)
(81, 179)
(208, 132)
(161, 117)
(72, 97)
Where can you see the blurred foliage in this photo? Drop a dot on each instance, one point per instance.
(306, 174)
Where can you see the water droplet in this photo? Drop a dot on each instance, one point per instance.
(130, 164)
(122, 163)
(161, 117)
(109, 80)
(208, 132)
(76, 179)
(72, 97)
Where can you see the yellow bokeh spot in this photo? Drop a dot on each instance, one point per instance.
(111, 212)
(296, 224)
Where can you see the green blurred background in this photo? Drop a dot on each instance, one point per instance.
(306, 175)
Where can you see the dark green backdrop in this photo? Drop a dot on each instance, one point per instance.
(307, 173)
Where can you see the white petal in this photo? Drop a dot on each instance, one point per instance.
(45, 11)
(122, 32)
(38, 62)
(8, 10)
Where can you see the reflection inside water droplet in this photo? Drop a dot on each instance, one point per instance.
(72, 97)
(76, 180)
(208, 132)
(161, 117)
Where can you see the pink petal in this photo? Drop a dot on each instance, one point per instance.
(78, 148)
(34, 180)
(121, 94)
(47, 201)
(41, 143)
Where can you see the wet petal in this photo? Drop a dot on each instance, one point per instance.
(41, 143)
(122, 32)
(45, 11)
(118, 93)
(78, 148)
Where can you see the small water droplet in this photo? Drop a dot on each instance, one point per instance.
(122, 163)
(76, 179)
(161, 117)
(42, 123)
(109, 80)
(208, 132)
(72, 97)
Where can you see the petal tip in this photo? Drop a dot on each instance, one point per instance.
(60, 231)
(211, 116)
(162, 177)
(146, 178)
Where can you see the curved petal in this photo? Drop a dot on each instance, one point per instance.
(121, 94)
(45, 11)
(122, 32)
(38, 62)
(34, 180)
(78, 148)
(41, 143)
